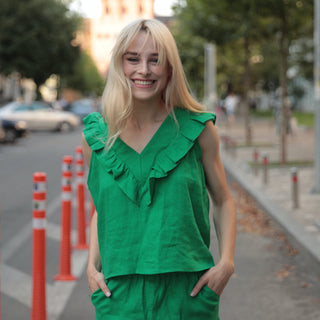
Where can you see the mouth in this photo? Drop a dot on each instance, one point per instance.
(143, 83)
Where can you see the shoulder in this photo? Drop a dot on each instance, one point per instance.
(95, 131)
(209, 140)
(184, 114)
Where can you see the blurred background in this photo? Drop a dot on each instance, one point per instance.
(58, 51)
(255, 63)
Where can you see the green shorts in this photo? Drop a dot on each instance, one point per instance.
(156, 297)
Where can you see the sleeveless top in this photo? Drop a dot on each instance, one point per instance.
(153, 207)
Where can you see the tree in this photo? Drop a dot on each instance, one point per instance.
(288, 20)
(85, 76)
(224, 22)
(37, 38)
(252, 23)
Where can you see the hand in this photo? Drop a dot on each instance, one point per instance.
(96, 281)
(216, 278)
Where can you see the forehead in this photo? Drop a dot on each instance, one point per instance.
(143, 42)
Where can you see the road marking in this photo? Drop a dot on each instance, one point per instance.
(18, 284)
(10, 248)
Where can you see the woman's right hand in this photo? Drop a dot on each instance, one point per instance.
(96, 281)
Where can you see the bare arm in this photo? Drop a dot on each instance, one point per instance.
(86, 150)
(94, 274)
(224, 214)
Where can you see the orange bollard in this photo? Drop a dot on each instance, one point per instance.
(82, 242)
(38, 305)
(66, 209)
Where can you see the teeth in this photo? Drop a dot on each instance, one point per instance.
(143, 82)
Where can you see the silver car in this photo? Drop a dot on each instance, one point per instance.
(39, 116)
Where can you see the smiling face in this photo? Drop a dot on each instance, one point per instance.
(140, 64)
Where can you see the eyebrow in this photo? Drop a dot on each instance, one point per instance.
(137, 54)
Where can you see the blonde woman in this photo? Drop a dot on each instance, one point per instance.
(152, 157)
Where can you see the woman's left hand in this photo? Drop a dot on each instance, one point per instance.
(216, 278)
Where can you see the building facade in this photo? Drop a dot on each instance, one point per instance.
(100, 33)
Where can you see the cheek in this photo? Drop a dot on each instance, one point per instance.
(126, 69)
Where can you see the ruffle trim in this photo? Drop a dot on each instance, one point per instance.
(95, 131)
(191, 126)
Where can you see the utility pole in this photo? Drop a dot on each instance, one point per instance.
(316, 188)
(210, 94)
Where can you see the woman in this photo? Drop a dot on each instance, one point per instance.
(152, 157)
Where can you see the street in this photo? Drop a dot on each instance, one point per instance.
(40, 151)
(272, 279)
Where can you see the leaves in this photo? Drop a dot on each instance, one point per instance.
(228, 23)
(36, 37)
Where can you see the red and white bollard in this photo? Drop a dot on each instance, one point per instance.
(66, 215)
(295, 188)
(38, 304)
(80, 185)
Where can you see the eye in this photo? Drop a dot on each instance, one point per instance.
(154, 60)
(132, 59)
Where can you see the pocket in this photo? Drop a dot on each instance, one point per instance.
(96, 295)
(207, 290)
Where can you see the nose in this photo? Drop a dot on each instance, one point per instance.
(144, 68)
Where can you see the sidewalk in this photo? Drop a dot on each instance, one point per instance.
(303, 223)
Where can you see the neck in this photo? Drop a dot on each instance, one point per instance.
(147, 113)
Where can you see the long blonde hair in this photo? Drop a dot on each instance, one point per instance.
(117, 98)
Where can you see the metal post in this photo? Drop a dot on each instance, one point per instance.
(210, 76)
(255, 161)
(316, 188)
(265, 163)
(295, 188)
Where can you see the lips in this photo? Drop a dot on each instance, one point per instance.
(143, 83)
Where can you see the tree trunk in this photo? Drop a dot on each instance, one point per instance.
(246, 86)
(285, 109)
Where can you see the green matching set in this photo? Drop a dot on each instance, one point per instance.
(153, 221)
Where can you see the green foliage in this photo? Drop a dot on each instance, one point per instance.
(36, 38)
(259, 23)
(305, 119)
(85, 77)
(191, 54)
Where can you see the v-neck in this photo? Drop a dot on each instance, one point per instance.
(150, 142)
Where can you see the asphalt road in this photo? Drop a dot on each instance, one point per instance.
(272, 279)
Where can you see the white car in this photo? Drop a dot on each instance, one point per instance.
(39, 116)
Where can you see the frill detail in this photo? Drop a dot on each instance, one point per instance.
(190, 127)
(95, 131)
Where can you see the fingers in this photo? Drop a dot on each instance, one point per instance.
(96, 281)
(102, 285)
(202, 281)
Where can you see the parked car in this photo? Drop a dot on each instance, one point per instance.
(82, 107)
(11, 130)
(39, 116)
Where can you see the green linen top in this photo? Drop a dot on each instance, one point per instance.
(153, 207)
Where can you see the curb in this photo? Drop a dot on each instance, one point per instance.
(280, 215)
